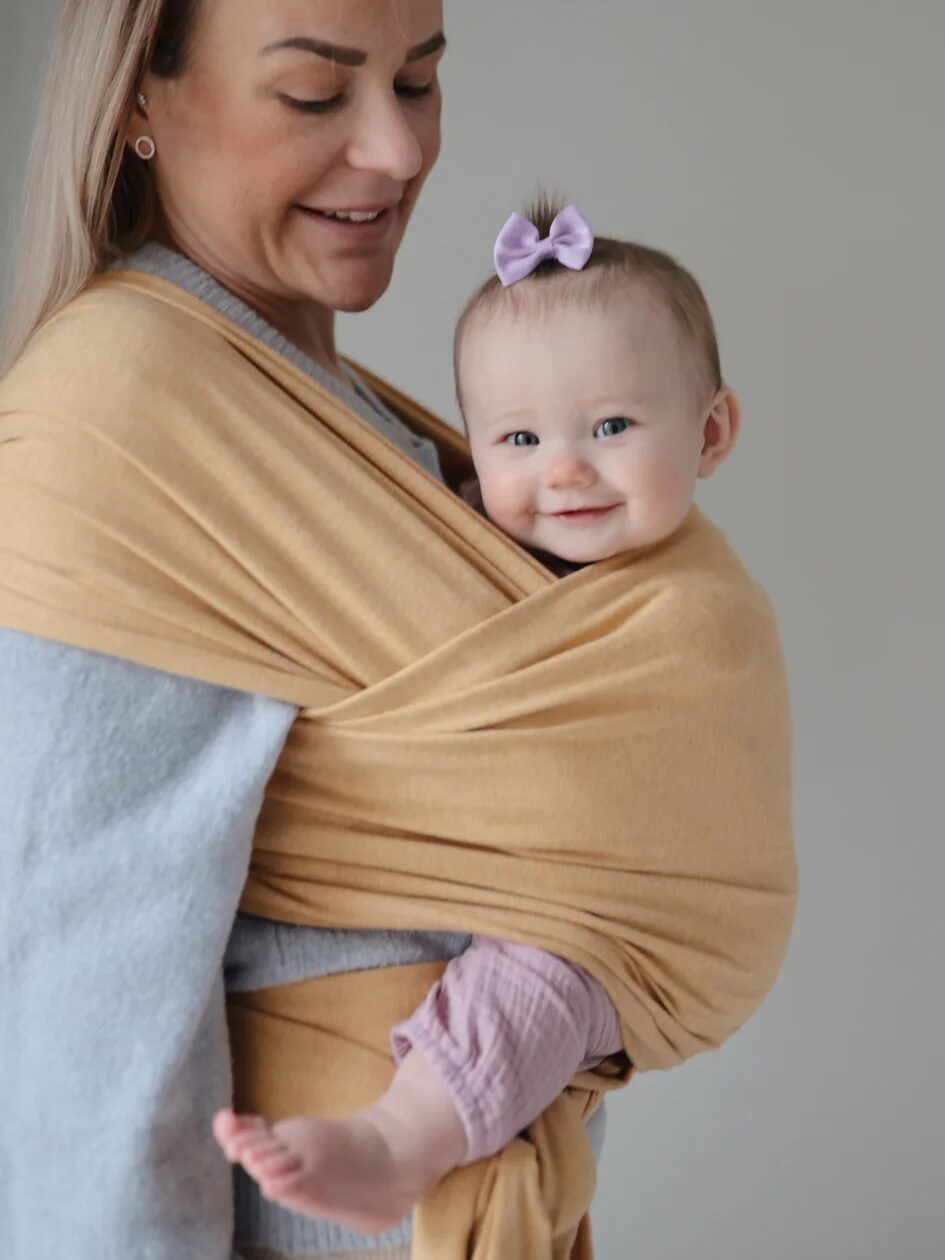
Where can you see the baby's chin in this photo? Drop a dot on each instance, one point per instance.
(589, 555)
(590, 550)
(574, 551)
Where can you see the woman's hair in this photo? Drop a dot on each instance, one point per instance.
(87, 200)
(613, 268)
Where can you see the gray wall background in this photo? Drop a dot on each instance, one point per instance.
(791, 155)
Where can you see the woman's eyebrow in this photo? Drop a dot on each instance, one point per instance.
(351, 56)
(427, 48)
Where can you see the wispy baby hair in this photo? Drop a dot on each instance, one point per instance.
(612, 269)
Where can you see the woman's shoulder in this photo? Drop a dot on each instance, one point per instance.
(119, 365)
(111, 342)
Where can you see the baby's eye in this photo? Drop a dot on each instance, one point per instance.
(612, 426)
(521, 437)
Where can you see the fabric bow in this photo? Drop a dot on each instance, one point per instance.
(518, 249)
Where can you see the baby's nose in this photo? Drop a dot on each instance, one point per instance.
(567, 469)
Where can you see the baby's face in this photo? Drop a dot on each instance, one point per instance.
(582, 425)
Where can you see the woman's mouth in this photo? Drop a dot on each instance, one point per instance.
(351, 216)
(361, 223)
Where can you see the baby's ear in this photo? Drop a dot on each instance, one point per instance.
(720, 431)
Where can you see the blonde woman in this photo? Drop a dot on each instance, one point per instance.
(252, 657)
(216, 146)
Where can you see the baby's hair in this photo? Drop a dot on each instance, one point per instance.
(613, 267)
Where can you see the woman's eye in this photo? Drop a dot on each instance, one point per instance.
(312, 107)
(612, 426)
(413, 93)
(521, 437)
(405, 90)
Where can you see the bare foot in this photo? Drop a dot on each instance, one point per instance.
(339, 1169)
(364, 1172)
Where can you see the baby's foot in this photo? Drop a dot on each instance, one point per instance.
(365, 1172)
(344, 1170)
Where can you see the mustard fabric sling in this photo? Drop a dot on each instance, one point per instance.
(597, 765)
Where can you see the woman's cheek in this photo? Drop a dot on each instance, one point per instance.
(432, 140)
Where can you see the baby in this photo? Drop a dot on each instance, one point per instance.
(588, 377)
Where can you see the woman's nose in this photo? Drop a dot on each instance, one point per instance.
(568, 470)
(384, 140)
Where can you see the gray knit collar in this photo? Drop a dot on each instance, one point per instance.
(159, 260)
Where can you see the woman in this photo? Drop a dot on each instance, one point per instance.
(246, 127)
(250, 170)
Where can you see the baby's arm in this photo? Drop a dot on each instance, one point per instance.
(504, 1031)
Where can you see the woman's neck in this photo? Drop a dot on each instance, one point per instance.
(308, 326)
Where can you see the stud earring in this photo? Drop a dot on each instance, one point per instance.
(145, 148)
(142, 100)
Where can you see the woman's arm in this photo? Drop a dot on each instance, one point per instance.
(128, 799)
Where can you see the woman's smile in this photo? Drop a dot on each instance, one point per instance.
(368, 223)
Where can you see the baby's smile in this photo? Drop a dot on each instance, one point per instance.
(582, 515)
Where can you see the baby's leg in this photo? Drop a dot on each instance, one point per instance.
(494, 1043)
(365, 1171)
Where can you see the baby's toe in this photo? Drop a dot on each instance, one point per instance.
(279, 1173)
(247, 1143)
(258, 1157)
(229, 1128)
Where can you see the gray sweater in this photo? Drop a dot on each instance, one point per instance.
(129, 798)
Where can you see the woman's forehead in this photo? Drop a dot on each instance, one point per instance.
(346, 31)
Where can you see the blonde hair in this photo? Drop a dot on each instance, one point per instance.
(87, 200)
(612, 266)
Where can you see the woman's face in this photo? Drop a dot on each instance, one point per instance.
(289, 113)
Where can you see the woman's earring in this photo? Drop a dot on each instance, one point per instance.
(144, 145)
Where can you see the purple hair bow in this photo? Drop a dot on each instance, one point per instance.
(518, 250)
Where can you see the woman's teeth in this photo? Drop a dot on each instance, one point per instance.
(352, 216)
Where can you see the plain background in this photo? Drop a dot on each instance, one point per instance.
(791, 154)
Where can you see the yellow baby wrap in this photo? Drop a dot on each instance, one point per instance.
(597, 765)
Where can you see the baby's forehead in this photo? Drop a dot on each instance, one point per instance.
(632, 311)
(633, 338)
(575, 340)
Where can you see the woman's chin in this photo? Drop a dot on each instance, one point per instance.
(342, 284)
(350, 303)
(351, 291)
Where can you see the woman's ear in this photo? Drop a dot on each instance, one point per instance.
(720, 431)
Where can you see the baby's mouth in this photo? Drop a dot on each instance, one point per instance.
(583, 516)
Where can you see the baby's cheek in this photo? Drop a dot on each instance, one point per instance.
(508, 503)
(666, 488)
(666, 474)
